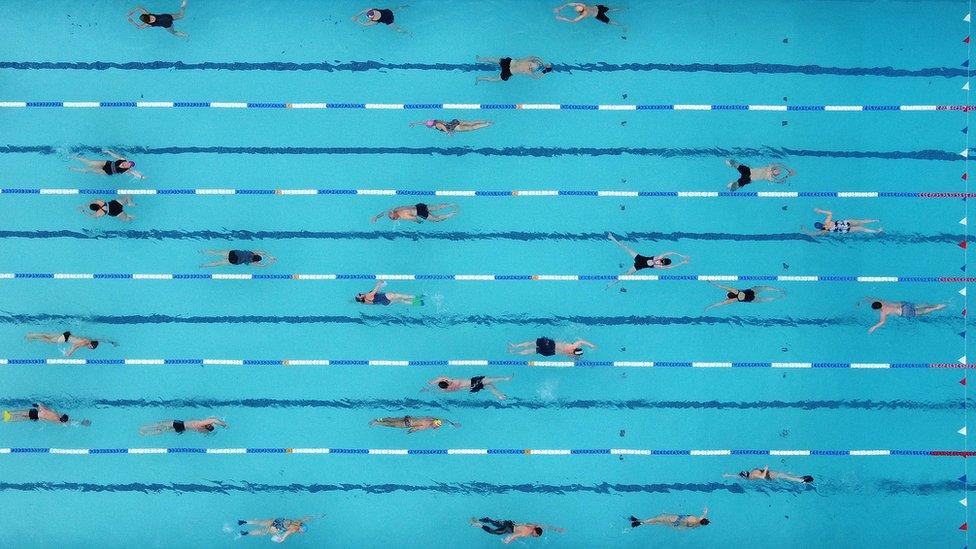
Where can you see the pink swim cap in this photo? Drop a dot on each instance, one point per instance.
(429, 123)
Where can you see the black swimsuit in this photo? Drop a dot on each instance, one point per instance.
(112, 208)
(601, 13)
(66, 336)
(112, 168)
(164, 20)
(643, 262)
(179, 426)
(477, 383)
(506, 64)
(386, 17)
(33, 414)
(749, 295)
(746, 174)
(422, 211)
(545, 346)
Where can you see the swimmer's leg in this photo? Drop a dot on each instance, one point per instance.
(389, 422)
(863, 221)
(923, 309)
(176, 33)
(181, 13)
(514, 347)
(626, 248)
(400, 298)
(767, 289)
(126, 200)
(473, 125)
(494, 60)
(860, 229)
(46, 338)
(154, 429)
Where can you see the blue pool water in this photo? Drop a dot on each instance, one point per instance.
(878, 55)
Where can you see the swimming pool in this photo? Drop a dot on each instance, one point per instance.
(287, 129)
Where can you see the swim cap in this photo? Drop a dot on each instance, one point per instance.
(131, 164)
(437, 423)
(6, 416)
(429, 123)
(370, 13)
(818, 225)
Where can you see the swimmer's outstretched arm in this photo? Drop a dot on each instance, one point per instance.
(828, 213)
(381, 214)
(267, 259)
(721, 304)
(726, 288)
(364, 21)
(881, 322)
(140, 24)
(379, 284)
(74, 347)
(684, 260)
(579, 342)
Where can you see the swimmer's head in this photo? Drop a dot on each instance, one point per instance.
(819, 226)
(443, 384)
(775, 171)
(537, 531)
(147, 18)
(361, 298)
(704, 522)
(64, 418)
(93, 344)
(580, 8)
(546, 69)
(578, 351)
(744, 474)
(373, 14)
(127, 164)
(256, 258)
(437, 423)
(430, 123)
(394, 215)
(209, 427)
(94, 207)
(666, 261)
(732, 295)
(876, 305)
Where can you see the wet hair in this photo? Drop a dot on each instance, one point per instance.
(819, 226)
(666, 261)
(547, 69)
(94, 207)
(704, 522)
(93, 344)
(443, 384)
(64, 418)
(256, 258)
(361, 298)
(537, 530)
(144, 18)
(578, 351)
(807, 478)
(209, 427)
(876, 305)
(732, 295)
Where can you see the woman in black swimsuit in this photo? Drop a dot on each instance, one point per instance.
(583, 11)
(163, 20)
(108, 167)
(530, 66)
(659, 261)
(373, 16)
(751, 295)
(112, 208)
(451, 126)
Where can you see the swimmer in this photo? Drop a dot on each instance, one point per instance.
(112, 208)
(751, 295)
(548, 347)
(371, 16)
(40, 412)
(76, 342)
(513, 529)
(904, 309)
(659, 261)
(766, 474)
(674, 521)
(164, 20)
(475, 384)
(179, 426)
(453, 126)
(418, 213)
(843, 226)
(257, 258)
(279, 529)
(775, 172)
(412, 424)
(530, 66)
(583, 11)
(375, 297)
(108, 167)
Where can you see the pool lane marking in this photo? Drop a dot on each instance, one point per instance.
(737, 107)
(485, 277)
(486, 451)
(510, 193)
(960, 364)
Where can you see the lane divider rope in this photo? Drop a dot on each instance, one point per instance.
(482, 362)
(478, 106)
(480, 452)
(483, 277)
(483, 193)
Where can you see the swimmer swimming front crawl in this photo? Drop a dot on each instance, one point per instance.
(450, 127)
(549, 347)
(418, 213)
(766, 474)
(775, 172)
(76, 342)
(164, 20)
(673, 520)
(514, 530)
(412, 423)
(904, 309)
(179, 426)
(40, 412)
(474, 384)
(372, 16)
(530, 66)
(750, 295)
(279, 529)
